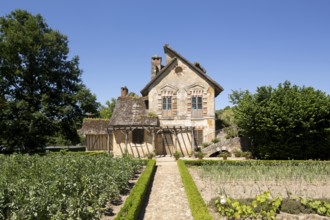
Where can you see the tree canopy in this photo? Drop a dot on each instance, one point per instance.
(287, 122)
(107, 110)
(41, 92)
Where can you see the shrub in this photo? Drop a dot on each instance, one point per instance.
(205, 144)
(197, 205)
(237, 153)
(198, 149)
(224, 155)
(215, 140)
(150, 155)
(247, 154)
(200, 155)
(132, 206)
(177, 155)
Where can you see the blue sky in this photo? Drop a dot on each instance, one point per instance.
(242, 44)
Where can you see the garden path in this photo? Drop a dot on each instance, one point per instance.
(167, 198)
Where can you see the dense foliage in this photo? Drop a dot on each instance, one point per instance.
(287, 122)
(225, 120)
(107, 110)
(56, 186)
(41, 93)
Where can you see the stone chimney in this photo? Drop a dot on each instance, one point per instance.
(124, 91)
(156, 65)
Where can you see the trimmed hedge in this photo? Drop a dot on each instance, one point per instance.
(133, 204)
(197, 205)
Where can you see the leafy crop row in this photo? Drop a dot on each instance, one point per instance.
(61, 186)
(263, 207)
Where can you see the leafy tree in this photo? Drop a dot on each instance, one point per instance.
(133, 94)
(226, 116)
(106, 111)
(286, 122)
(41, 92)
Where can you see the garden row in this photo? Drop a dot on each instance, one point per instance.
(264, 203)
(62, 186)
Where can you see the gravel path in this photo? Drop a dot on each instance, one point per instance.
(168, 198)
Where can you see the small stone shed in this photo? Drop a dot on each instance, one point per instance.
(131, 129)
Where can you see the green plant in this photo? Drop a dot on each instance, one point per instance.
(57, 186)
(134, 202)
(177, 155)
(205, 144)
(152, 115)
(199, 155)
(284, 122)
(224, 155)
(231, 132)
(263, 207)
(321, 207)
(198, 149)
(215, 140)
(237, 153)
(197, 205)
(150, 155)
(247, 154)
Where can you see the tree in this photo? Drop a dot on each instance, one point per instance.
(226, 116)
(41, 92)
(106, 111)
(286, 122)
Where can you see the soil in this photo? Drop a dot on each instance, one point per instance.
(211, 189)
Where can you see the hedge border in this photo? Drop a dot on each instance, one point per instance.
(197, 205)
(133, 204)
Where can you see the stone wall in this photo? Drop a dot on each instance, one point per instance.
(181, 83)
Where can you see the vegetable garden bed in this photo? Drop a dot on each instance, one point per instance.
(242, 181)
(62, 186)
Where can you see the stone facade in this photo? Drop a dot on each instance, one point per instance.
(191, 94)
(175, 113)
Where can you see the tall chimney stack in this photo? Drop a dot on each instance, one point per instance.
(156, 65)
(124, 91)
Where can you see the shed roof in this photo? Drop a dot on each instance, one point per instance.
(131, 111)
(94, 126)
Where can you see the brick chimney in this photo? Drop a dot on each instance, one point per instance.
(156, 65)
(124, 91)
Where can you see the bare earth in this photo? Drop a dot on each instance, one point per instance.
(210, 189)
(168, 199)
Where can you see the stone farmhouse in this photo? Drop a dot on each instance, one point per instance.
(175, 113)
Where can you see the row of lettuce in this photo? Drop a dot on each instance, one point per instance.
(57, 186)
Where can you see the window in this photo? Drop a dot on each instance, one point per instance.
(138, 136)
(198, 134)
(167, 106)
(196, 107)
